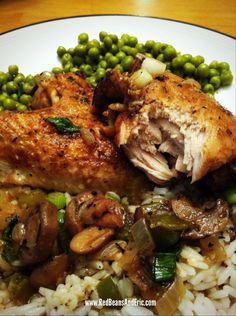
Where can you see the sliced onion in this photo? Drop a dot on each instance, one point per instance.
(141, 78)
(171, 299)
(153, 66)
(142, 236)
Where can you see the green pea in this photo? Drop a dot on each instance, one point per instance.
(215, 81)
(213, 72)
(80, 50)
(10, 77)
(14, 96)
(13, 70)
(114, 38)
(178, 62)
(4, 87)
(226, 78)
(93, 53)
(25, 99)
(67, 67)
(27, 88)
(132, 41)
(120, 55)
(156, 49)
(189, 68)
(92, 81)
(161, 57)
(140, 48)
(57, 70)
(126, 62)
(88, 70)
(179, 72)
(149, 55)
(202, 71)
(149, 45)
(125, 38)
(188, 57)
(214, 64)
(108, 55)
(100, 73)
(29, 78)
(93, 43)
(9, 104)
(203, 82)
(125, 49)
(81, 67)
(19, 78)
(168, 65)
(3, 78)
(208, 88)
(102, 35)
(1, 108)
(71, 51)
(11, 87)
(102, 64)
(223, 66)
(230, 195)
(78, 60)
(169, 52)
(107, 42)
(21, 107)
(132, 51)
(83, 38)
(112, 61)
(74, 69)
(120, 43)
(163, 47)
(61, 51)
(197, 60)
(114, 49)
(119, 68)
(2, 98)
(66, 58)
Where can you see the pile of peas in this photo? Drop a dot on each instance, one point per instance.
(16, 90)
(93, 58)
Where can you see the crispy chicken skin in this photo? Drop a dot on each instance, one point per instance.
(33, 153)
(170, 127)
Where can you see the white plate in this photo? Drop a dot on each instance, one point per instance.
(33, 47)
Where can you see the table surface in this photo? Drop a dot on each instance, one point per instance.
(219, 15)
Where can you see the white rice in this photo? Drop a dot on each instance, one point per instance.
(209, 288)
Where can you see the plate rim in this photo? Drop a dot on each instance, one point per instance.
(116, 14)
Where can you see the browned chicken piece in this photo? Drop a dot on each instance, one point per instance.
(33, 152)
(170, 127)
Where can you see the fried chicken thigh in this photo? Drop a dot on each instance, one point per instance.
(169, 126)
(34, 153)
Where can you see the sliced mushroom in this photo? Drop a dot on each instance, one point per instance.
(41, 229)
(104, 212)
(92, 208)
(111, 252)
(73, 220)
(90, 240)
(203, 222)
(51, 273)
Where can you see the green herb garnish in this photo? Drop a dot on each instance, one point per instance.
(9, 253)
(63, 125)
(6, 236)
(164, 266)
